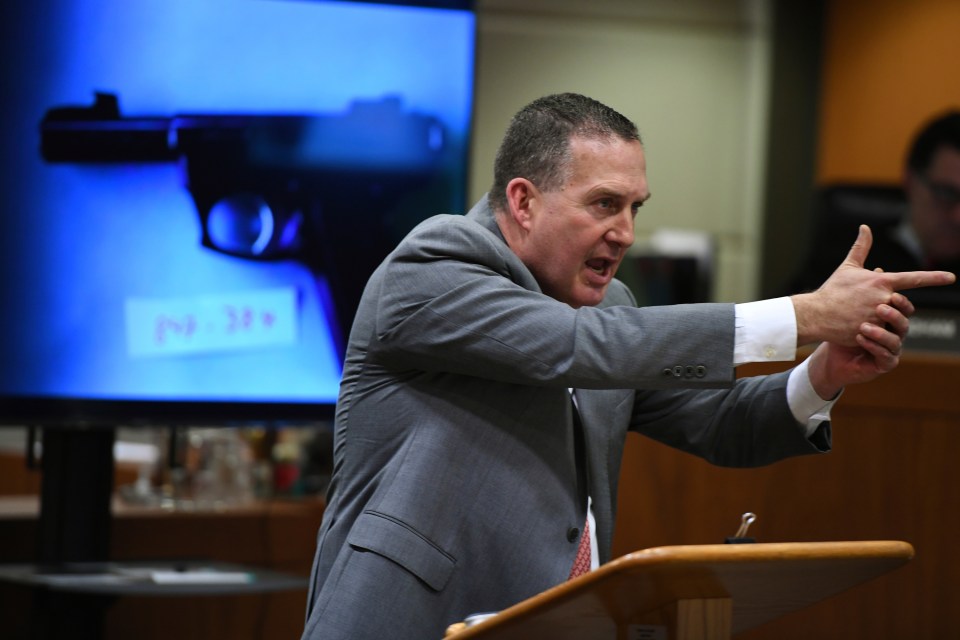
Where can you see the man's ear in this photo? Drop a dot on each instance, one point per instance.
(522, 201)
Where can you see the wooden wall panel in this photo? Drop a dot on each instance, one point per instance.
(892, 475)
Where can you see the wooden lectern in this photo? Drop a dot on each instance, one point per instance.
(691, 592)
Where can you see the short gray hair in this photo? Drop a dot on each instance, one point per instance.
(536, 145)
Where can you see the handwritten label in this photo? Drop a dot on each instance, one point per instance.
(646, 632)
(211, 323)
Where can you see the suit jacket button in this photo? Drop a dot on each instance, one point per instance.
(689, 371)
(668, 372)
(573, 534)
(678, 371)
(701, 371)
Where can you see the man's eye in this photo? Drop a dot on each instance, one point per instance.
(605, 203)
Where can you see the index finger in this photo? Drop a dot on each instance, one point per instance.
(915, 279)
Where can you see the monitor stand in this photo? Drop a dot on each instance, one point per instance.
(76, 488)
(74, 527)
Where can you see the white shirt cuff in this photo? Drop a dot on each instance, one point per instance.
(807, 407)
(765, 331)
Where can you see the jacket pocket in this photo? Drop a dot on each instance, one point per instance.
(397, 541)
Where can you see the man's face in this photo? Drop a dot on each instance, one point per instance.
(935, 205)
(578, 234)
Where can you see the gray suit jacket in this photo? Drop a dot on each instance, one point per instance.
(454, 486)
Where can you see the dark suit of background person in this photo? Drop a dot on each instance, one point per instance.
(455, 485)
(927, 233)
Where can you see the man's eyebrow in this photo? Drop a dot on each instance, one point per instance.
(611, 192)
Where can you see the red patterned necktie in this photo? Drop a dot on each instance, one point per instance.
(582, 563)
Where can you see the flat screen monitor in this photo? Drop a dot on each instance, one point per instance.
(195, 192)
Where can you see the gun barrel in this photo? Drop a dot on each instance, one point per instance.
(371, 138)
(108, 140)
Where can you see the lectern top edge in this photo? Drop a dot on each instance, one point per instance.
(893, 549)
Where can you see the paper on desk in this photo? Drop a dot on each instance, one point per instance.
(201, 576)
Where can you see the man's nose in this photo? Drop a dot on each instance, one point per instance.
(621, 232)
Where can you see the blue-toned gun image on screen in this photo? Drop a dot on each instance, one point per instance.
(314, 188)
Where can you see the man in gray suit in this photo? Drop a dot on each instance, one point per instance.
(495, 366)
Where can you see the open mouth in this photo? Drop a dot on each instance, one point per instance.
(600, 266)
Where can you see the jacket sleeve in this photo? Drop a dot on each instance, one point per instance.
(454, 298)
(747, 425)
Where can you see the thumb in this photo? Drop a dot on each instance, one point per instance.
(861, 247)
